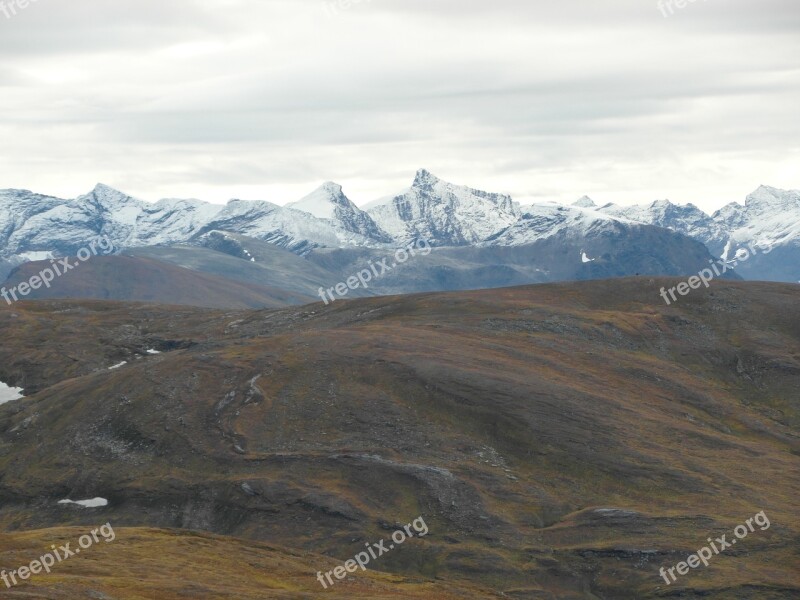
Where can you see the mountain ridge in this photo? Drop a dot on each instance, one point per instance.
(442, 213)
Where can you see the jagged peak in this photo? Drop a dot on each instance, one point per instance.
(239, 204)
(661, 204)
(102, 189)
(769, 195)
(585, 202)
(331, 186)
(425, 177)
(323, 201)
(107, 198)
(767, 188)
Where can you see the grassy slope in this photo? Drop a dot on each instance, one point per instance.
(148, 564)
(506, 417)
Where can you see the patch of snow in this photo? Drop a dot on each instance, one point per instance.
(7, 393)
(586, 259)
(36, 255)
(122, 364)
(153, 351)
(93, 503)
(726, 251)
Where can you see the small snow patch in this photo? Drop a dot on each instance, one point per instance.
(586, 259)
(727, 250)
(36, 255)
(93, 503)
(615, 512)
(153, 351)
(7, 394)
(122, 364)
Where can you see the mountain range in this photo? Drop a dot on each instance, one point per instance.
(770, 217)
(561, 441)
(481, 239)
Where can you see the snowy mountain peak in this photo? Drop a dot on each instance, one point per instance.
(665, 209)
(332, 186)
(329, 202)
(111, 212)
(325, 201)
(425, 178)
(102, 188)
(444, 213)
(585, 202)
(767, 191)
(772, 197)
(108, 196)
(769, 215)
(767, 210)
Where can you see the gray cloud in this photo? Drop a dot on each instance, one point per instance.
(267, 98)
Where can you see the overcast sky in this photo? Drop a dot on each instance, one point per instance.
(263, 99)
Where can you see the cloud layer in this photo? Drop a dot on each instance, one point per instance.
(265, 99)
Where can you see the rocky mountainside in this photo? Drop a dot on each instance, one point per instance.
(769, 220)
(330, 204)
(561, 441)
(443, 213)
(687, 219)
(32, 224)
(613, 249)
(36, 227)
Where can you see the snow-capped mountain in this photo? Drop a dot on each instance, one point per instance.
(443, 213)
(769, 215)
(768, 222)
(585, 202)
(545, 220)
(32, 223)
(686, 219)
(329, 203)
(37, 227)
(284, 227)
(42, 224)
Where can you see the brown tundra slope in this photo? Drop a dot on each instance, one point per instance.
(561, 442)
